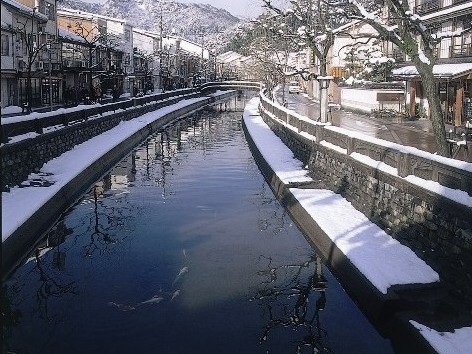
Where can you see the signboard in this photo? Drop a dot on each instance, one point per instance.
(389, 96)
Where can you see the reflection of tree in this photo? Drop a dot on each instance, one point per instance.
(286, 296)
(11, 315)
(47, 279)
(50, 287)
(100, 239)
(269, 211)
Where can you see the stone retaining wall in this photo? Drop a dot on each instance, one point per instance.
(26, 235)
(436, 228)
(21, 158)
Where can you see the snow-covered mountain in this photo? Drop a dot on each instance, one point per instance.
(195, 22)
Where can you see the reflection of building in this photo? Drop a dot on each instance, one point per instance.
(54, 239)
(123, 173)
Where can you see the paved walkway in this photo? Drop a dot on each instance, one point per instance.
(417, 133)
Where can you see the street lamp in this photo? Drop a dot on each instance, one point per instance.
(48, 46)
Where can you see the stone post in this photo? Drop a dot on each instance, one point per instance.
(324, 84)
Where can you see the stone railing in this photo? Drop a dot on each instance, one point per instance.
(32, 124)
(407, 161)
(231, 85)
(422, 200)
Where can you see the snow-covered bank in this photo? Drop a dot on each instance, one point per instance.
(379, 257)
(394, 265)
(19, 204)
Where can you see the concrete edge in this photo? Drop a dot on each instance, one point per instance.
(354, 282)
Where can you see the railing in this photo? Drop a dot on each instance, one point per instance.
(247, 85)
(428, 6)
(71, 116)
(461, 50)
(405, 160)
(399, 56)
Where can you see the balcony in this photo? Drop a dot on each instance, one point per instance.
(74, 64)
(461, 50)
(428, 6)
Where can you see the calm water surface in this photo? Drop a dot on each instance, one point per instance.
(182, 248)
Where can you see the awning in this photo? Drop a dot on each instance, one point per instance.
(440, 71)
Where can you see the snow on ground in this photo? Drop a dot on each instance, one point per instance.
(21, 203)
(397, 264)
(383, 260)
(11, 109)
(457, 342)
(355, 240)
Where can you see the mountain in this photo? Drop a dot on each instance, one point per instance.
(195, 22)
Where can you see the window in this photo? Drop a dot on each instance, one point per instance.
(127, 35)
(127, 59)
(5, 44)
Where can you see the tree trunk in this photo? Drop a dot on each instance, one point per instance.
(437, 119)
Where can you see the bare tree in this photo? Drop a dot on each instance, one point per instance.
(394, 21)
(308, 23)
(96, 40)
(30, 39)
(270, 55)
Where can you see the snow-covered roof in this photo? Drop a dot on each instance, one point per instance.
(229, 57)
(69, 35)
(88, 15)
(25, 9)
(447, 71)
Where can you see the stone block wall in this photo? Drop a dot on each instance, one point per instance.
(437, 229)
(21, 158)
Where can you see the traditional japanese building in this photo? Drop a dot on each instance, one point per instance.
(453, 68)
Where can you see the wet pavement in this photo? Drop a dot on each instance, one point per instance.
(416, 133)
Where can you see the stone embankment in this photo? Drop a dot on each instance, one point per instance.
(399, 289)
(31, 210)
(422, 200)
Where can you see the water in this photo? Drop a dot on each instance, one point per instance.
(182, 248)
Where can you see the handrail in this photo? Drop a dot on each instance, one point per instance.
(31, 123)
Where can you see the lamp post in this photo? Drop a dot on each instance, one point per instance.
(48, 46)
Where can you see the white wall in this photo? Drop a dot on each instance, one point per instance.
(366, 100)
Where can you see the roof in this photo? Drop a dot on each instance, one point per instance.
(440, 71)
(89, 15)
(25, 9)
(63, 33)
(229, 57)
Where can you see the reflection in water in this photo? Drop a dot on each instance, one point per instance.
(286, 297)
(163, 253)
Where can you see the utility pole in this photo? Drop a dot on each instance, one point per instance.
(48, 46)
(160, 48)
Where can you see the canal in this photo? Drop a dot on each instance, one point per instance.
(182, 248)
